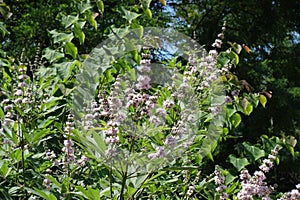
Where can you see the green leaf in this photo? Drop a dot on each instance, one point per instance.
(236, 58)
(128, 15)
(248, 109)
(42, 193)
(146, 3)
(61, 37)
(82, 7)
(138, 29)
(90, 193)
(148, 13)
(262, 100)
(68, 20)
(71, 49)
(79, 33)
(3, 29)
(64, 69)
(235, 119)
(238, 163)
(4, 168)
(52, 55)
(254, 152)
(100, 6)
(90, 18)
(236, 47)
(2, 115)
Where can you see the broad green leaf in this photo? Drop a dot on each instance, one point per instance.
(238, 163)
(39, 135)
(254, 152)
(64, 69)
(17, 154)
(249, 109)
(236, 47)
(128, 15)
(235, 119)
(138, 29)
(223, 59)
(79, 33)
(71, 49)
(82, 7)
(61, 37)
(42, 193)
(90, 193)
(262, 100)
(4, 168)
(100, 6)
(68, 20)
(52, 55)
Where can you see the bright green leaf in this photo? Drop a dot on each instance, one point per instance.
(148, 13)
(79, 33)
(91, 19)
(71, 49)
(100, 6)
(235, 119)
(262, 100)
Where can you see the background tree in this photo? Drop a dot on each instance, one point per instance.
(271, 30)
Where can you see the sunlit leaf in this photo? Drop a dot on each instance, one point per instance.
(90, 18)
(61, 37)
(262, 100)
(79, 33)
(68, 20)
(100, 6)
(235, 119)
(71, 49)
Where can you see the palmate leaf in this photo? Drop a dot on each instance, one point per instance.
(253, 151)
(52, 55)
(61, 37)
(128, 15)
(238, 163)
(68, 20)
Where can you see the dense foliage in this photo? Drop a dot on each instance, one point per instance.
(223, 124)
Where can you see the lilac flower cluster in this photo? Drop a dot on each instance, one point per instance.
(256, 185)
(144, 79)
(68, 149)
(21, 95)
(292, 195)
(220, 181)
